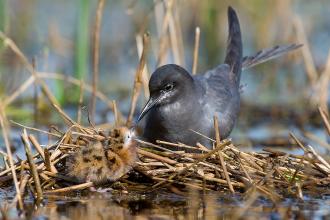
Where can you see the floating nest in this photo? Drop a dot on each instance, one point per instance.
(85, 157)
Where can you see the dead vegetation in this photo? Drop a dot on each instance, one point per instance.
(271, 173)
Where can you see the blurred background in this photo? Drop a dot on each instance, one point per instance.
(279, 96)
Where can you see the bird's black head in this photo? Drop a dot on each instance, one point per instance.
(166, 85)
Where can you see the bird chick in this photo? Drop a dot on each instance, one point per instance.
(100, 163)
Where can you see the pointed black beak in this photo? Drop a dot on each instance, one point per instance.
(150, 104)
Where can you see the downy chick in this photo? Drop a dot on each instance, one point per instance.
(101, 163)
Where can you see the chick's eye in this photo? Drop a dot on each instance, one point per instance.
(168, 87)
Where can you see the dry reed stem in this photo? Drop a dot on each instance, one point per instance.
(202, 135)
(76, 82)
(324, 86)
(222, 162)
(23, 182)
(145, 74)
(66, 118)
(9, 42)
(9, 99)
(57, 76)
(47, 160)
(81, 100)
(196, 162)
(174, 38)
(96, 54)
(156, 157)
(180, 145)
(59, 176)
(10, 158)
(138, 79)
(34, 129)
(244, 170)
(316, 139)
(319, 158)
(325, 118)
(37, 146)
(196, 49)
(224, 182)
(33, 169)
(115, 113)
(42, 152)
(298, 142)
(178, 33)
(71, 188)
(159, 179)
(183, 155)
(163, 47)
(35, 96)
(4, 210)
(307, 55)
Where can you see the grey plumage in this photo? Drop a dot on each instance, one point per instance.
(267, 54)
(180, 102)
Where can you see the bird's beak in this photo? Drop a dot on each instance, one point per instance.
(151, 103)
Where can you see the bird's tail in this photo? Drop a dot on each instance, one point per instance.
(234, 46)
(267, 54)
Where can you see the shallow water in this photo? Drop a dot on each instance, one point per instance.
(165, 205)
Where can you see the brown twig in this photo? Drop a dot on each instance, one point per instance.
(196, 48)
(96, 54)
(37, 146)
(115, 113)
(145, 75)
(47, 160)
(222, 162)
(72, 188)
(32, 165)
(138, 80)
(325, 119)
(34, 129)
(10, 157)
(196, 162)
(307, 55)
(156, 157)
(9, 42)
(163, 41)
(298, 142)
(81, 99)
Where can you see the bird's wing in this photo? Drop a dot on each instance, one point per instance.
(267, 54)
(219, 87)
(220, 98)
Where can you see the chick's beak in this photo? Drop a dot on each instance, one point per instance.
(150, 104)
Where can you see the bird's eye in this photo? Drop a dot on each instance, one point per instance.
(168, 87)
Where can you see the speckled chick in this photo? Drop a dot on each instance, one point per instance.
(101, 163)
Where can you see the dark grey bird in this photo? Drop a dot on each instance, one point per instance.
(180, 103)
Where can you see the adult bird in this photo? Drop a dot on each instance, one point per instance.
(180, 103)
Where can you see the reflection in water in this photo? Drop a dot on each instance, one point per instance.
(164, 205)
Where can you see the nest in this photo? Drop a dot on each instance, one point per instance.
(225, 168)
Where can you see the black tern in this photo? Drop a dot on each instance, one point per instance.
(181, 103)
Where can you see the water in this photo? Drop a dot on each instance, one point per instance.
(165, 205)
